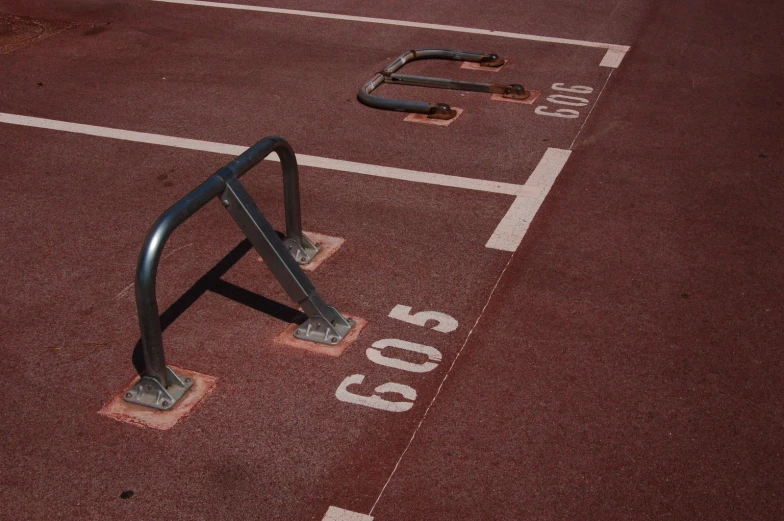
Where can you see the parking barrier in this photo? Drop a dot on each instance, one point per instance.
(159, 386)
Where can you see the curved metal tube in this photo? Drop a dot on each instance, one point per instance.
(288, 160)
(442, 110)
(150, 256)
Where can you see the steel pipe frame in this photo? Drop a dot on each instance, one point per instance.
(434, 110)
(224, 184)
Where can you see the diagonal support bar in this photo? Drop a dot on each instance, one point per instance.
(265, 240)
(325, 325)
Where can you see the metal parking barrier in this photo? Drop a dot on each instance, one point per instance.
(434, 110)
(159, 386)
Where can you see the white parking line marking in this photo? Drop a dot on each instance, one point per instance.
(338, 514)
(612, 58)
(414, 176)
(125, 135)
(506, 237)
(401, 174)
(510, 231)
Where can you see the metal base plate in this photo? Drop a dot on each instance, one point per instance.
(516, 91)
(302, 253)
(320, 330)
(149, 392)
(491, 60)
(441, 111)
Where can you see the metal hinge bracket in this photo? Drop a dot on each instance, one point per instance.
(149, 392)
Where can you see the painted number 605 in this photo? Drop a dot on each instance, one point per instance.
(383, 352)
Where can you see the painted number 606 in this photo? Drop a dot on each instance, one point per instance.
(564, 99)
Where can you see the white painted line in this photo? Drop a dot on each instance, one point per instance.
(125, 135)
(614, 56)
(338, 514)
(507, 236)
(414, 176)
(339, 165)
(547, 170)
(420, 25)
(510, 231)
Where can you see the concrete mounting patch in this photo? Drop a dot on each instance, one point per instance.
(473, 66)
(527, 101)
(118, 409)
(287, 338)
(422, 118)
(328, 246)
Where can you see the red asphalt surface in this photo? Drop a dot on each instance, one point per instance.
(627, 360)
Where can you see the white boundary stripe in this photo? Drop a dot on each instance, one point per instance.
(339, 514)
(479, 185)
(510, 231)
(125, 135)
(401, 174)
(612, 58)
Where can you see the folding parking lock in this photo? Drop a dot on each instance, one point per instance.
(434, 110)
(160, 387)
